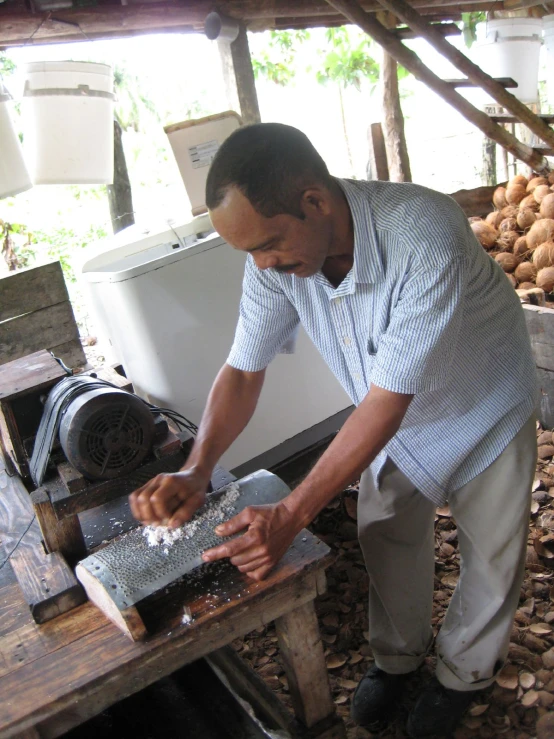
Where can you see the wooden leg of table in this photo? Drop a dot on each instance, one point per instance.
(63, 535)
(302, 654)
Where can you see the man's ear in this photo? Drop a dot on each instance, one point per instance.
(315, 200)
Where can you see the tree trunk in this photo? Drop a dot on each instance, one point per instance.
(120, 197)
(488, 175)
(393, 123)
(345, 129)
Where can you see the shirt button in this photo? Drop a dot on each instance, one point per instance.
(337, 302)
(347, 340)
(356, 375)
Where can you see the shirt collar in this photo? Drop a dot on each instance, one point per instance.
(368, 265)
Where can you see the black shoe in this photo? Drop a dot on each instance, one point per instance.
(376, 696)
(438, 710)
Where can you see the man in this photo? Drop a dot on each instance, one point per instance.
(427, 336)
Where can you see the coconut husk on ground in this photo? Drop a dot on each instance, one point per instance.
(521, 703)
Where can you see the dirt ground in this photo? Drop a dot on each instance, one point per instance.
(521, 703)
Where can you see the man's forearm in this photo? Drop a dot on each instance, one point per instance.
(363, 436)
(230, 406)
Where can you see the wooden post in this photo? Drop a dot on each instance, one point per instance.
(352, 10)
(488, 175)
(393, 122)
(377, 166)
(63, 535)
(302, 655)
(239, 77)
(474, 73)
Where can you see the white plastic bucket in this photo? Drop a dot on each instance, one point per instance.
(68, 115)
(548, 28)
(510, 47)
(14, 177)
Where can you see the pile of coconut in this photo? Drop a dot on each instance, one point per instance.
(519, 234)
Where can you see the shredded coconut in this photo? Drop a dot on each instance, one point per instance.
(187, 616)
(214, 512)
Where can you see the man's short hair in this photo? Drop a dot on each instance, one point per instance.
(271, 164)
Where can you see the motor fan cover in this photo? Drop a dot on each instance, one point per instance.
(106, 433)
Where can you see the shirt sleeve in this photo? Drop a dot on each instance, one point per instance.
(415, 352)
(267, 321)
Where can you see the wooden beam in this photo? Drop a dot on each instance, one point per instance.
(406, 57)
(501, 118)
(473, 72)
(445, 29)
(378, 164)
(504, 81)
(244, 76)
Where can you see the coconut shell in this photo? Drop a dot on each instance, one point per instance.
(541, 192)
(526, 285)
(551, 178)
(520, 247)
(529, 202)
(547, 206)
(507, 261)
(535, 182)
(515, 194)
(510, 211)
(508, 224)
(486, 235)
(541, 231)
(543, 256)
(507, 240)
(512, 279)
(525, 218)
(525, 272)
(519, 179)
(545, 279)
(499, 198)
(495, 218)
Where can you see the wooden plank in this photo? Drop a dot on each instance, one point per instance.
(540, 325)
(535, 124)
(32, 289)
(47, 583)
(66, 686)
(110, 375)
(504, 81)
(445, 29)
(545, 411)
(71, 353)
(476, 202)
(44, 329)
(65, 504)
(378, 164)
(31, 372)
(354, 13)
(304, 663)
(505, 118)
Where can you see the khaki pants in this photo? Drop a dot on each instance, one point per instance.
(396, 531)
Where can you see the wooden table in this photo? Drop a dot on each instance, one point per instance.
(55, 675)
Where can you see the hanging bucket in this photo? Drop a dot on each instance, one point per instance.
(68, 115)
(548, 28)
(510, 47)
(14, 177)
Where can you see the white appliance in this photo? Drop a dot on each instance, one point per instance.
(168, 303)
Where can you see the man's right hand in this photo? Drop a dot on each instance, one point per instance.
(170, 499)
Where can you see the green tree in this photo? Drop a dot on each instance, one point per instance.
(346, 63)
(277, 62)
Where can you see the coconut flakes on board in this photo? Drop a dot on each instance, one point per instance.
(212, 513)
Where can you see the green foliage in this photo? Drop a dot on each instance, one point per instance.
(348, 61)
(276, 64)
(131, 104)
(469, 23)
(61, 243)
(7, 66)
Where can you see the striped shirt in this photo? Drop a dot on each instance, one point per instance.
(424, 310)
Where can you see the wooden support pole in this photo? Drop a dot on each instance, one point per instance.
(239, 76)
(393, 122)
(302, 655)
(378, 168)
(352, 10)
(473, 72)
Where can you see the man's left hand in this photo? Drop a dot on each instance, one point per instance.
(270, 530)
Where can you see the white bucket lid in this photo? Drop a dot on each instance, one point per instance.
(509, 29)
(73, 67)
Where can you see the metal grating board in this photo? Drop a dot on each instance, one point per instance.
(130, 568)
